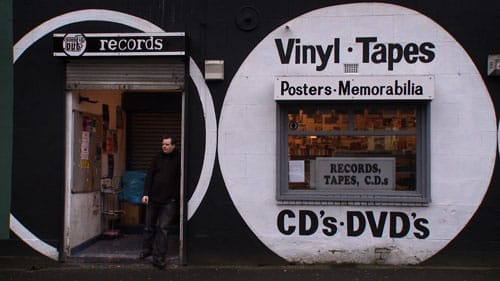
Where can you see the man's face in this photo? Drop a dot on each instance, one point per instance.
(167, 146)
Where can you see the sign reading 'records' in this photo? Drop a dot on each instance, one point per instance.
(119, 44)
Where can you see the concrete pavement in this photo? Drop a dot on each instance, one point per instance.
(27, 269)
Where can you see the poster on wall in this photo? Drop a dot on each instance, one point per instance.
(119, 117)
(87, 154)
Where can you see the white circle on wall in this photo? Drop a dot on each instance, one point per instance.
(462, 140)
(203, 92)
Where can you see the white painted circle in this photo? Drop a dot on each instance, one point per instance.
(463, 137)
(204, 94)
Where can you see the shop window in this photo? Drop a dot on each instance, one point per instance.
(352, 153)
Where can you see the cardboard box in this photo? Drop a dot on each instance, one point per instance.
(132, 214)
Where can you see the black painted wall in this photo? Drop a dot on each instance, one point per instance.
(216, 234)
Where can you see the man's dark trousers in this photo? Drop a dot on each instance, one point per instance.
(158, 218)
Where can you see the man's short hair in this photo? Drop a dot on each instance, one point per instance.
(172, 138)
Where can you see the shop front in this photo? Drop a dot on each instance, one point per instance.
(118, 94)
(350, 113)
(340, 133)
(124, 91)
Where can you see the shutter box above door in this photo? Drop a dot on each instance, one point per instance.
(157, 74)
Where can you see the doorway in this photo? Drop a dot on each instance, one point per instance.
(113, 129)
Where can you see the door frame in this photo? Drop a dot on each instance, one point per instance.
(65, 250)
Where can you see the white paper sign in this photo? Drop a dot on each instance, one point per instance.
(296, 170)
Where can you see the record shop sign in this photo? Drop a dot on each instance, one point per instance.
(355, 173)
(373, 87)
(119, 44)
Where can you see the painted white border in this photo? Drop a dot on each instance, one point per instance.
(205, 96)
(29, 238)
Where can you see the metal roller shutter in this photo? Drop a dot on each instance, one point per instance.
(144, 136)
(166, 74)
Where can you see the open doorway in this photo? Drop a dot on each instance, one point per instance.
(113, 130)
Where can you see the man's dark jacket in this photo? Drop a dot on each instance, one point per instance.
(163, 178)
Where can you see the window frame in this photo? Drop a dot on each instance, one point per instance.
(419, 197)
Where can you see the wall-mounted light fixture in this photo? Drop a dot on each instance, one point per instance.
(493, 65)
(214, 70)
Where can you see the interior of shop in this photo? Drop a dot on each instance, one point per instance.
(113, 136)
(345, 130)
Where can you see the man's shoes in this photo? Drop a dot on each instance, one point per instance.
(144, 254)
(158, 263)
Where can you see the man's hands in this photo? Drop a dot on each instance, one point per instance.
(145, 200)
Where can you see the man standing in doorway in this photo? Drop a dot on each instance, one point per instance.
(161, 197)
